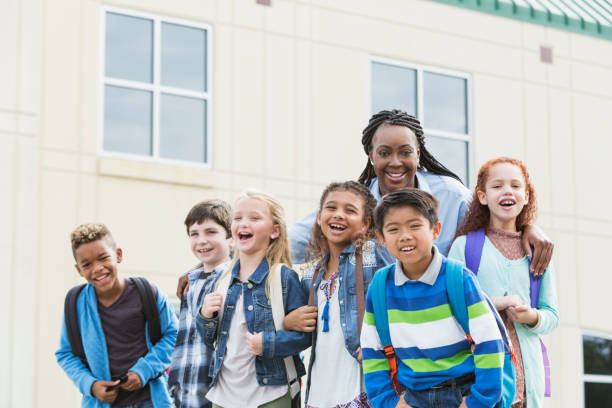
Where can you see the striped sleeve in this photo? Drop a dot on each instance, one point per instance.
(488, 349)
(375, 364)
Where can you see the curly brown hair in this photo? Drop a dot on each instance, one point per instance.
(478, 215)
(89, 232)
(317, 246)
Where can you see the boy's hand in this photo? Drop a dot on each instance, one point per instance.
(523, 314)
(504, 302)
(183, 285)
(463, 404)
(98, 390)
(302, 319)
(254, 343)
(212, 304)
(358, 351)
(133, 382)
(402, 403)
(534, 237)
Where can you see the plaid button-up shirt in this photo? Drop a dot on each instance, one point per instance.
(188, 378)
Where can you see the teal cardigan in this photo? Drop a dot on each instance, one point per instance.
(94, 343)
(499, 276)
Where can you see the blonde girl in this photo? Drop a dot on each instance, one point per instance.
(504, 202)
(248, 368)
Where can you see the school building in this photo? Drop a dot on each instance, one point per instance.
(130, 111)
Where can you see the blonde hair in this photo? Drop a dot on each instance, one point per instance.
(278, 250)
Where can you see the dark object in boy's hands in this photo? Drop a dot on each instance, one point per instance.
(121, 379)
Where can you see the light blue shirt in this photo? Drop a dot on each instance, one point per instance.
(454, 199)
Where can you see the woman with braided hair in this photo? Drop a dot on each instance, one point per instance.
(397, 157)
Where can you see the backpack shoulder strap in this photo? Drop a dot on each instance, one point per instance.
(149, 306)
(359, 286)
(378, 286)
(278, 315)
(72, 323)
(474, 242)
(456, 293)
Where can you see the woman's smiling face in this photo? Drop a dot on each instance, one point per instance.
(395, 157)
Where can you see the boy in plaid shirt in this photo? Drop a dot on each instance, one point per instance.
(208, 227)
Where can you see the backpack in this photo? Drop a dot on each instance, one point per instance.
(456, 295)
(278, 315)
(474, 243)
(71, 320)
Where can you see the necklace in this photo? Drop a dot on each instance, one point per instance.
(326, 287)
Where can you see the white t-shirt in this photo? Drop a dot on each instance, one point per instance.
(336, 376)
(237, 386)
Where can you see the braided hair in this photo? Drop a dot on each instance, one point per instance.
(398, 117)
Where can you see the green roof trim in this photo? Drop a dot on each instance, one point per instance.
(589, 17)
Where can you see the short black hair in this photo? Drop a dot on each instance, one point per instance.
(421, 201)
(215, 210)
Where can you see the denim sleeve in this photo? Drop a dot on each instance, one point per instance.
(207, 328)
(283, 343)
(299, 234)
(78, 373)
(159, 356)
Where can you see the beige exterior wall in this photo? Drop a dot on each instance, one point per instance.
(291, 93)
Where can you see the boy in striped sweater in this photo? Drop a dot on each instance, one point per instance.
(436, 365)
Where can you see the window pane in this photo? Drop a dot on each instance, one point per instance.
(597, 395)
(445, 101)
(183, 57)
(453, 154)
(393, 87)
(127, 120)
(597, 355)
(183, 128)
(129, 48)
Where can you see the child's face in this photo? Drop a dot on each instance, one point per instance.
(209, 243)
(252, 227)
(97, 261)
(505, 193)
(409, 237)
(341, 218)
(395, 157)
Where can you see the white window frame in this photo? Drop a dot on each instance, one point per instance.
(156, 88)
(420, 69)
(592, 378)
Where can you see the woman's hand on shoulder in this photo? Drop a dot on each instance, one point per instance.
(533, 236)
(302, 319)
(183, 285)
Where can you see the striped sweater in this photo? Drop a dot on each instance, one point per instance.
(429, 343)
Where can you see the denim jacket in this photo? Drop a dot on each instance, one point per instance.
(374, 258)
(277, 344)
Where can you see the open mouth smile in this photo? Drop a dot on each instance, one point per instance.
(395, 176)
(507, 202)
(244, 236)
(407, 249)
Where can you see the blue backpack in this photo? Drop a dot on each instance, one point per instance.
(474, 243)
(456, 296)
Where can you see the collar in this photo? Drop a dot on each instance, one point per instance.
(421, 184)
(430, 275)
(348, 251)
(257, 277)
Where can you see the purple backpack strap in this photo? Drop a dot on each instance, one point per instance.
(534, 293)
(473, 249)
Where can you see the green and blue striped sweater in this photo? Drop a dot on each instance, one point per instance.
(430, 345)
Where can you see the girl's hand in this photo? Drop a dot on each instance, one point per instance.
(133, 382)
(402, 403)
(183, 285)
(302, 319)
(534, 237)
(98, 390)
(358, 351)
(212, 304)
(504, 302)
(463, 404)
(254, 343)
(524, 314)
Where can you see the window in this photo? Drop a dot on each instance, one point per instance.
(439, 98)
(155, 87)
(597, 358)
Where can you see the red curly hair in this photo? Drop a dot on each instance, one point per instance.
(478, 215)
